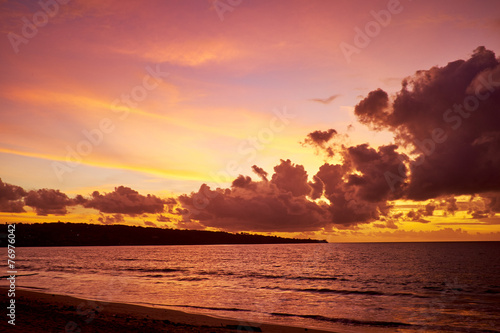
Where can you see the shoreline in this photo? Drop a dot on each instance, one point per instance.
(46, 312)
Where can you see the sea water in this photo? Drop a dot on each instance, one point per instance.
(400, 287)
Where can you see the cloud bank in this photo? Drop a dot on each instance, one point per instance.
(446, 126)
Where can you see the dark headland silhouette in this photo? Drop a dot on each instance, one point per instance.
(82, 234)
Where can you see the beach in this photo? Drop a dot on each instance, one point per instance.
(43, 312)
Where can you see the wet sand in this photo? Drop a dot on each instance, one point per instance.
(41, 312)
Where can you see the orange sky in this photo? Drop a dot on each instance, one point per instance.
(172, 93)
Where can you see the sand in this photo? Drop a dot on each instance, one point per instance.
(41, 312)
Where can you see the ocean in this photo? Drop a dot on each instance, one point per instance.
(396, 287)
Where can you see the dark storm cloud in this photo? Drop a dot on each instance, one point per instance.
(451, 116)
(49, 201)
(124, 200)
(11, 198)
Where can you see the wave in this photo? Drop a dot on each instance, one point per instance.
(199, 307)
(338, 320)
(346, 292)
(29, 287)
(348, 321)
(191, 279)
(155, 270)
(187, 278)
(6, 276)
(155, 275)
(492, 291)
(341, 291)
(272, 276)
(382, 324)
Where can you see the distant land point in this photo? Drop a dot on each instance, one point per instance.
(83, 234)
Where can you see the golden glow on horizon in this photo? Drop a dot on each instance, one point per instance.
(215, 107)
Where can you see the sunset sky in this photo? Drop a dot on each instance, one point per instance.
(120, 111)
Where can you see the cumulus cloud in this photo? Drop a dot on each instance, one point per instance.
(446, 116)
(429, 209)
(416, 216)
(280, 204)
(449, 115)
(374, 109)
(243, 182)
(11, 198)
(451, 205)
(150, 224)
(110, 219)
(124, 200)
(389, 224)
(161, 218)
(484, 206)
(50, 201)
(355, 192)
(320, 140)
(170, 204)
(371, 166)
(494, 201)
(291, 178)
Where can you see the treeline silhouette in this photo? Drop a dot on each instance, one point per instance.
(82, 234)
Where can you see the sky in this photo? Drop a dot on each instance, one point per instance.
(340, 120)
